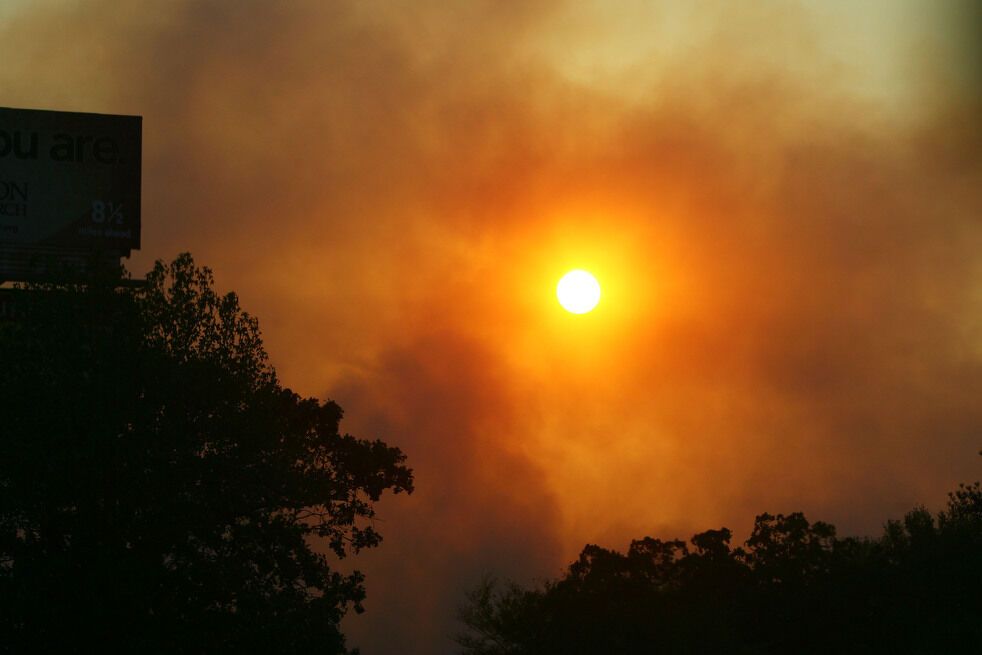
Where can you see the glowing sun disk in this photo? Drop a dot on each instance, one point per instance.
(578, 292)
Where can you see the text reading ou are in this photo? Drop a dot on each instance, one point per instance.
(64, 147)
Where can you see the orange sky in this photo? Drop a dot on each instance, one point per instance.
(782, 205)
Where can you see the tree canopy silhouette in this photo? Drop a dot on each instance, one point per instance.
(794, 587)
(160, 491)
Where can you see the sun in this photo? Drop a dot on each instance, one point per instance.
(578, 292)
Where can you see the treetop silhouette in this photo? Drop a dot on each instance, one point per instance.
(793, 587)
(161, 491)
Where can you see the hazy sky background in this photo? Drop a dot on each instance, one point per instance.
(782, 201)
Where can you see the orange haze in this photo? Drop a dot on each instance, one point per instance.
(782, 204)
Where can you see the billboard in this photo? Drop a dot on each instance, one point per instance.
(69, 183)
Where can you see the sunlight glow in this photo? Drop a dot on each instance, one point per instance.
(578, 292)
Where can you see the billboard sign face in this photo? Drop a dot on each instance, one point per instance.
(69, 181)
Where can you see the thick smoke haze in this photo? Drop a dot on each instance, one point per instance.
(783, 205)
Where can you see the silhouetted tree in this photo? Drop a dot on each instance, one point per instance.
(160, 491)
(794, 587)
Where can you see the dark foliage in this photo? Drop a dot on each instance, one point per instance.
(159, 490)
(794, 587)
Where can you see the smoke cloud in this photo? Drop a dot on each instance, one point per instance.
(784, 214)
